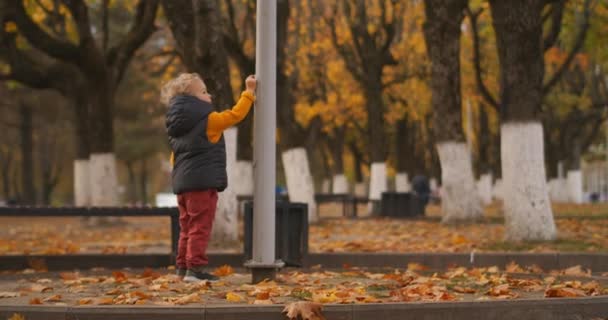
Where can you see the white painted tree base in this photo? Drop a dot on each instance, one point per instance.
(340, 184)
(243, 178)
(104, 181)
(459, 198)
(326, 186)
(402, 183)
(434, 185)
(484, 187)
(528, 214)
(300, 186)
(558, 190)
(497, 190)
(225, 226)
(377, 185)
(575, 186)
(82, 183)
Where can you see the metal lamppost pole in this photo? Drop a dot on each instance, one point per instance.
(264, 265)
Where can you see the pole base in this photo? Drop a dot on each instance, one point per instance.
(263, 271)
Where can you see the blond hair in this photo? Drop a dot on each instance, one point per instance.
(177, 86)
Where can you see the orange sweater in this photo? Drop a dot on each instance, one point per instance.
(217, 122)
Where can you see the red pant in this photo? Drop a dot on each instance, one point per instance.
(196, 213)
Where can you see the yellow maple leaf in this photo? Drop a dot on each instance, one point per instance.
(233, 297)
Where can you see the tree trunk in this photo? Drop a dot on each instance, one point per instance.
(300, 185)
(132, 183)
(459, 199)
(225, 227)
(518, 27)
(103, 176)
(143, 182)
(6, 165)
(82, 171)
(26, 132)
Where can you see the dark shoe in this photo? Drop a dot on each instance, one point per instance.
(180, 272)
(196, 276)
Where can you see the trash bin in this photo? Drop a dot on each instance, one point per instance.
(291, 244)
(401, 205)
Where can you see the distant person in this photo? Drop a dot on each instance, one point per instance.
(198, 159)
(422, 188)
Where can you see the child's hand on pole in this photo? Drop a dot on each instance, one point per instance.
(251, 83)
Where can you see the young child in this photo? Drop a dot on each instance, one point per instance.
(199, 163)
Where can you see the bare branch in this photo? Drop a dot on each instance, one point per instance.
(481, 87)
(580, 40)
(55, 48)
(557, 13)
(143, 27)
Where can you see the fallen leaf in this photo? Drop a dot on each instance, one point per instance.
(459, 239)
(414, 266)
(263, 302)
(563, 293)
(35, 301)
(114, 292)
(16, 316)
(53, 298)
(6, 294)
(39, 288)
(263, 295)
(223, 271)
(577, 271)
(464, 289)
(233, 297)
(305, 310)
(191, 298)
(84, 301)
(513, 267)
(104, 301)
(68, 275)
(119, 276)
(149, 273)
(499, 290)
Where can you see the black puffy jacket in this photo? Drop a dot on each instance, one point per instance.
(199, 164)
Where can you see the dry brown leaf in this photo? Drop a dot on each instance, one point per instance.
(414, 266)
(68, 275)
(53, 298)
(499, 290)
(39, 288)
(460, 289)
(513, 267)
(35, 301)
(223, 271)
(305, 310)
(114, 292)
(577, 271)
(17, 316)
(263, 295)
(267, 301)
(149, 273)
(6, 294)
(119, 276)
(84, 301)
(103, 301)
(563, 293)
(191, 298)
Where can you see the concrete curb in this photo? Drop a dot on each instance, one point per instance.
(597, 262)
(533, 309)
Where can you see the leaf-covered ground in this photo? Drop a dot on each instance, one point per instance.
(151, 235)
(413, 283)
